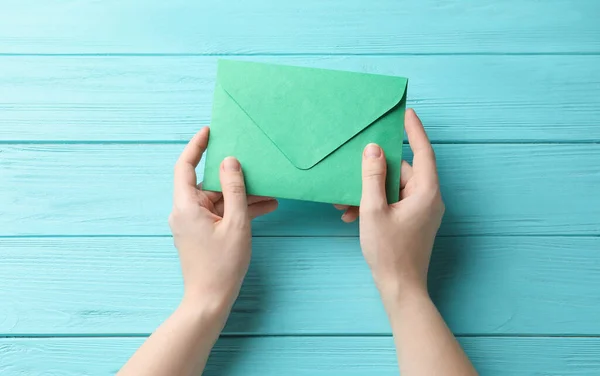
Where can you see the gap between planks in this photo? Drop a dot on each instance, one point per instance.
(184, 142)
(276, 335)
(111, 54)
(117, 236)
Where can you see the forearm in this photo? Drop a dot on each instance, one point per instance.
(424, 344)
(182, 344)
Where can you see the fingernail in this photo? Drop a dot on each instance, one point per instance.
(373, 151)
(231, 164)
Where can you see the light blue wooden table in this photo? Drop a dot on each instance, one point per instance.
(97, 99)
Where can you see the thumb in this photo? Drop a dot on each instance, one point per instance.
(373, 179)
(234, 191)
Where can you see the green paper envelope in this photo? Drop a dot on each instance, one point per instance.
(299, 133)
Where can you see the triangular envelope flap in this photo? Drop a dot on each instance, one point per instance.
(308, 113)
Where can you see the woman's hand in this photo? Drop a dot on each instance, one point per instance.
(212, 230)
(397, 239)
(212, 234)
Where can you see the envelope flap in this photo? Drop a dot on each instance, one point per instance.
(308, 113)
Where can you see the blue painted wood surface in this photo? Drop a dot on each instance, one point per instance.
(490, 189)
(310, 26)
(500, 285)
(462, 98)
(98, 97)
(306, 356)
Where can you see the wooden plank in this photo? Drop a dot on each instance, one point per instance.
(460, 98)
(303, 356)
(95, 189)
(482, 285)
(259, 26)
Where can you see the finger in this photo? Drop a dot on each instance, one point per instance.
(341, 207)
(351, 214)
(373, 178)
(254, 199)
(262, 208)
(185, 168)
(405, 174)
(234, 190)
(424, 156)
(205, 201)
(213, 196)
(219, 205)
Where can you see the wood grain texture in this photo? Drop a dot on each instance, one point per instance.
(261, 26)
(303, 356)
(126, 190)
(97, 97)
(482, 285)
(460, 98)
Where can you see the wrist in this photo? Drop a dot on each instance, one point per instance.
(208, 307)
(200, 319)
(401, 305)
(398, 290)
